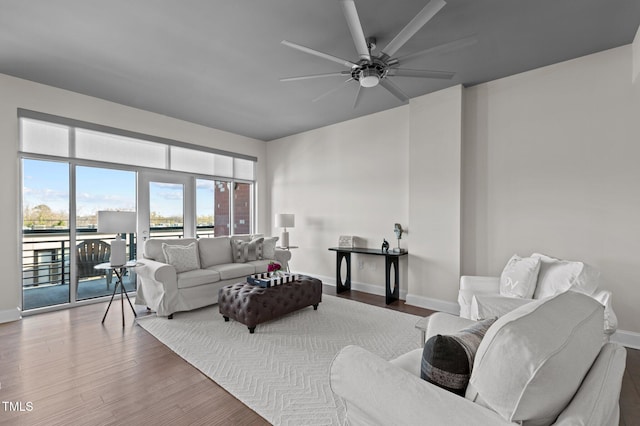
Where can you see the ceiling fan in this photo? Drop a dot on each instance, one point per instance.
(371, 69)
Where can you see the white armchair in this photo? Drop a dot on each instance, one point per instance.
(514, 380)
(482, 297)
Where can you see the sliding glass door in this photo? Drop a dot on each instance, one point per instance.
(100, 189)
(60, 239)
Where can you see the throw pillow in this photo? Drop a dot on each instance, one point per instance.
(557, 276)
(244, 251)
(447, 361)
(269, 248)
(183, 258)
(519, 277)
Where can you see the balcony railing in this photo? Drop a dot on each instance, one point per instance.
(46, 253)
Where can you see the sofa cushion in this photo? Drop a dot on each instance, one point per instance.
(153, 247)
(519, 277)
(269, 248)
(244, 251)
(214, 251)
(557, 276)
(533, 359)
(197, 277)
(447, 360)
(233, 270)
(183, 258)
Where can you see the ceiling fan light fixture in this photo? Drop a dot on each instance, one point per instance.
(369, 78)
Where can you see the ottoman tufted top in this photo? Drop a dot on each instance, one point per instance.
(252, 305)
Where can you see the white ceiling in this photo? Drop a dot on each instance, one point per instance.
(218, 62)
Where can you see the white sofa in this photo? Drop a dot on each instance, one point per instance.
(168, 288)
(486, 297)
(560, 374)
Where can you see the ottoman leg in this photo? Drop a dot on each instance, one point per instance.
(226, 319)
(315, 307)
(252, 329)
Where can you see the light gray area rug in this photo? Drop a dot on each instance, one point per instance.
(282, 371)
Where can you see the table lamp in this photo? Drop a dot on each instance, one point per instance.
(285, 220)
(113, 222)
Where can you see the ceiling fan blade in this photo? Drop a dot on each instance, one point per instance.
(313, 52)
(395, 90)
(446, 47)
(335, 89)
(308, 77)
(351, 13)
(401, 72)
(358, 96)
(413, 27)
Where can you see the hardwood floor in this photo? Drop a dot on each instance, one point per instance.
(65, 368)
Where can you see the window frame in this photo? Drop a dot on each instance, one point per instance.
(73, 162)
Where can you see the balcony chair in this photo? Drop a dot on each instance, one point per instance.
(90, 253)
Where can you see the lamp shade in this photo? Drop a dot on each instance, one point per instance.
(110, 222)
(285, 220)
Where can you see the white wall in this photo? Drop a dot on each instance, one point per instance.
(550, 160)
(549, 163)
(349, 178)
(16, 93)
(434, 196)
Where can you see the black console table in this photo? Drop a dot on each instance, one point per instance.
(391, 258)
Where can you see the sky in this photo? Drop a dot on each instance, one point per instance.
(47, 182)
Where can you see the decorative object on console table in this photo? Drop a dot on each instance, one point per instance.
(285, 220)
(385, 245)
(347, 241)
(397, 229)
(117, 222)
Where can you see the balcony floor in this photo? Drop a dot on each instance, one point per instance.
(37, 297)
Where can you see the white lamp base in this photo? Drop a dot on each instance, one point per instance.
(118, 252)
(284, 239)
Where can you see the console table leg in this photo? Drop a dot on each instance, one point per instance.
(340, 286)
(391, 295)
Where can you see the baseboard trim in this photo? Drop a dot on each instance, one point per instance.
(378, 290)
(626, 338)
(433, 304)
(9, 315)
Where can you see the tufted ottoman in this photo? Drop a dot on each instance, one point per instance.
(253, 305)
